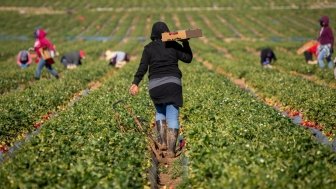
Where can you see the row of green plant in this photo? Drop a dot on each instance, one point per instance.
(281, 25)
(46, 95)
(111, 133)
(284, 47)
(16, 79)
(19, 120)
(298, 93)
(236, 141)
(314, 101)
(93, 144)
(156, 4)
(20, 110)
(266, 24)
(13, 77)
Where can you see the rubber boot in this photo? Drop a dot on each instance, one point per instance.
(161, 127)
(172, 135)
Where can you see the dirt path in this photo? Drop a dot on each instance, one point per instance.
(235, 30)
(212, 27)
(119, 24)
(148, 26)
(294, 31)
(32, 10)
(263, 25)
(165, 172)
(106, 23)
(303, 26)
(242, 23)
(92, 25)
(162, 17)
(49, 10)
(177, 21)
(291, 6)
(239, 82)
(130, 30)
(193, 24)
(205, 40)
(307, 21)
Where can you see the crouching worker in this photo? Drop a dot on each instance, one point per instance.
(23, 59)
(73, 59)
(117, 58)
(160, 59)
(310, 53)
(267, 56)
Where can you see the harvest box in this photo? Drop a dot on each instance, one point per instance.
(46, 55)
(182, 34)
(306, 46)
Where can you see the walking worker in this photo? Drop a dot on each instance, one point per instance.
(73, 59)
(23, 59)
(41, 43)
(326, 40)
(160, 59)
(267, 56)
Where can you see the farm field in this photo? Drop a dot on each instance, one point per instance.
(244, 126)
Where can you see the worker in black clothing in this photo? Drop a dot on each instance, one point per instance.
(267, 56)
(160, 59)
(73, 59)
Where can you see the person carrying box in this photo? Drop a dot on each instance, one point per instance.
(45, 51)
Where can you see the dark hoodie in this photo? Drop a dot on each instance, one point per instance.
(71, 58)
(326, 35)
(267, 55)
(161, 60)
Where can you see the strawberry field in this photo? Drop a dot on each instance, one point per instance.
(244, 126)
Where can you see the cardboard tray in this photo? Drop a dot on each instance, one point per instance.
(46, 55)
(306, 46)
(182, 34)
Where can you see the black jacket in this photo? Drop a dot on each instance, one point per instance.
(71, 58)
(268, 55)
(160, 59)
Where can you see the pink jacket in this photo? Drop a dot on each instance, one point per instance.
(42, 42)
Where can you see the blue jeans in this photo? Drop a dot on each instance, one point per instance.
(325, 53)
(23, 66)
(40, 66)
(168, 112)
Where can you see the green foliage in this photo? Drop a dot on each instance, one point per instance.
(233, 139)
(236, 141)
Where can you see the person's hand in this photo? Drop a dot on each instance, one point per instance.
(184, 40)
(134, 90)
(52, 54)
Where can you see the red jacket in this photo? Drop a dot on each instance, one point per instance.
(313, 49)
(42, 42)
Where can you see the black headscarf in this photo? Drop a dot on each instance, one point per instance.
(157, 29)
